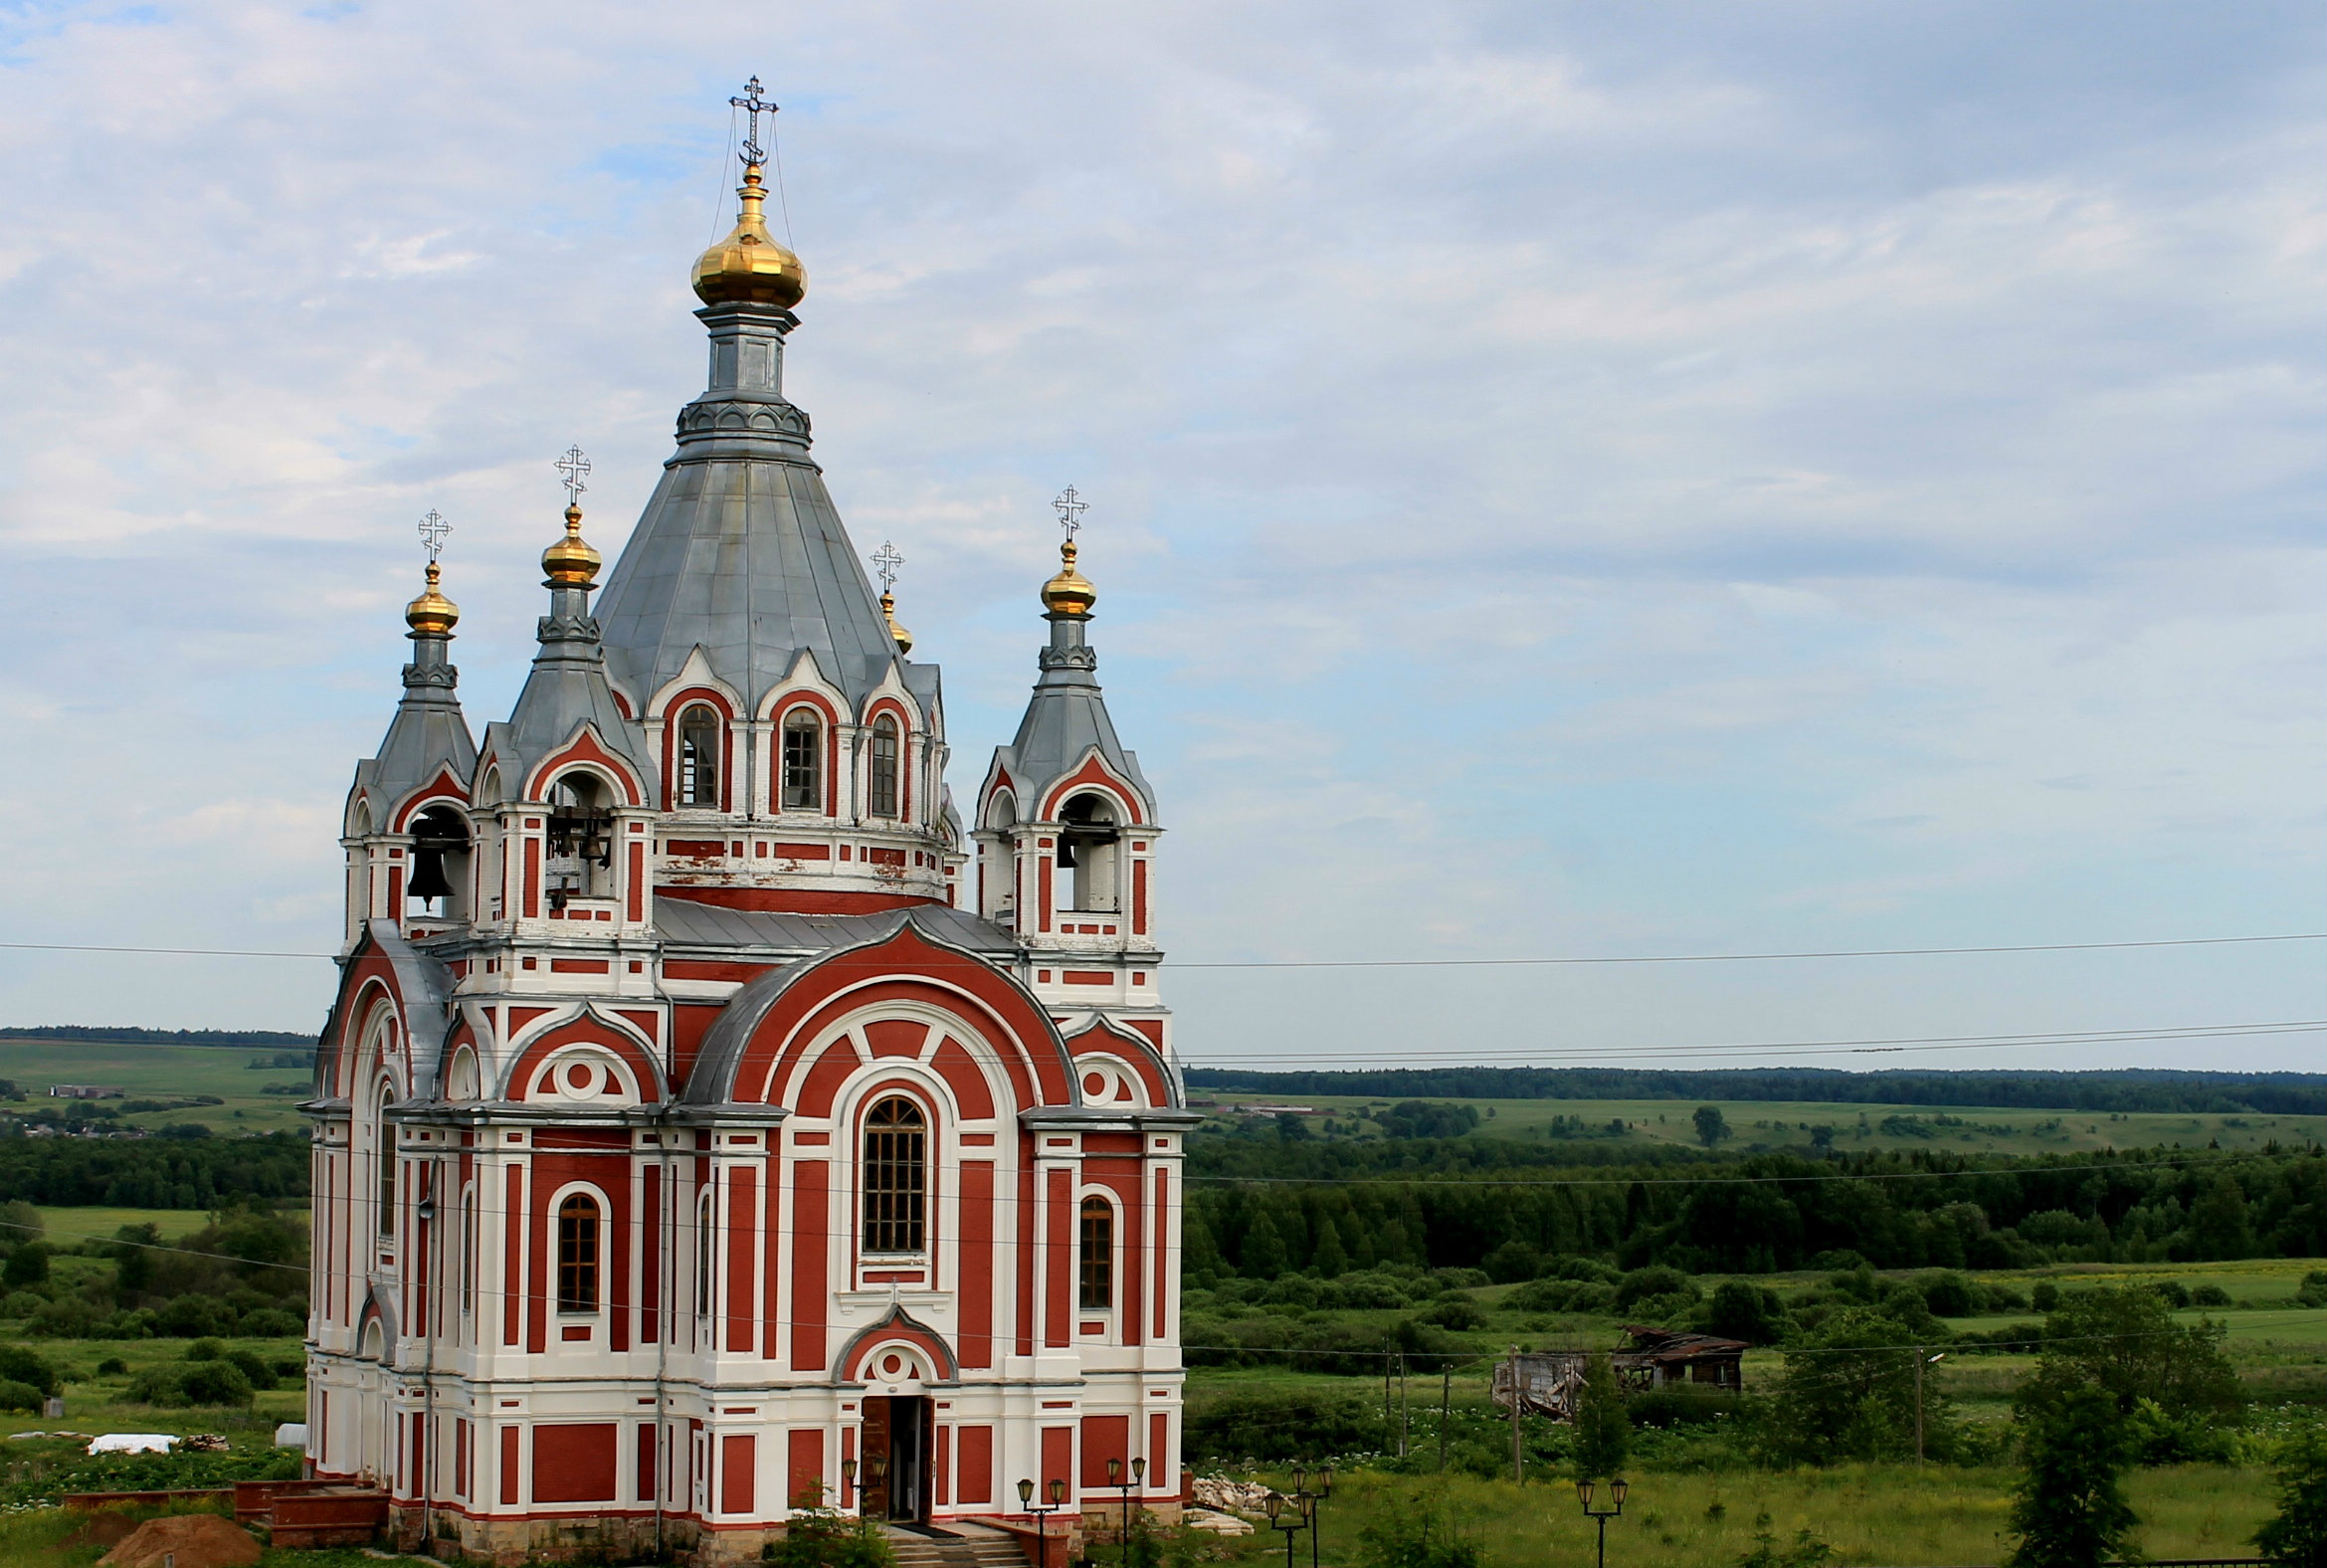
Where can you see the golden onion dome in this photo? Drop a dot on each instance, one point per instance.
(431, 614)
(1068, 593)
(904, 639)
(569, 563)
(749, 266)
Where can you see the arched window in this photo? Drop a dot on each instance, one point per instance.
(896, 1144)
(1086, 846)
(384, 1164)
(440, 864)
(581, 840)
(698, 773)
(803, 761)
(884, 767)
(577, 1254)
(1098, 1255)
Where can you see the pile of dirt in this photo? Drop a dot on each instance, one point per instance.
(192, 1540)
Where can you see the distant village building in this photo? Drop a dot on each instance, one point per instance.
(86, 1091)
(1550, 1382)
(710, 1122)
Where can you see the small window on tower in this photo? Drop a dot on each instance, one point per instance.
(577, 1254)
(699, 756)
(884, 767)
(1098, 1255)
(803, 763)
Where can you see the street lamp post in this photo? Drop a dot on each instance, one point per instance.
(1922, 1361)
(1296, 1520)
(1615, 1491)
(1117, 1480)
(1056, 1492)
(1324, 1489)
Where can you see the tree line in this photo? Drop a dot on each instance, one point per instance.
(1334, 1208)
(2150, 1089)
(123, 1173)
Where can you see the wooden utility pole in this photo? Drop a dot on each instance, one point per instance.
(1519, 1455)
(1445, 1409)
(1919, 1403)
(1404, 1409)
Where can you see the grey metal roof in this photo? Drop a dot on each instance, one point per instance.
(1066, 720)
(565, 691)
(682, 923)
(711, 1080)
(740, 551)
(428, 734)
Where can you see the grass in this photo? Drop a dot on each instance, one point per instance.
(95, 1404)
(1779, 1124)
(1870, 1515)
(67, 1225)
(160, 1072)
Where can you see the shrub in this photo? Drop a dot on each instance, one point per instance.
(1947, 1294)
(1421, 1534)
(1561, 1295)
(2314, 1289)
(822, 1537)
(2209, 1295)
(1454, 1310)
(1604, 1432)
(2296, 1537)
(21, 1365)
(2070, 1510)
(252, 1367)
(2172, 1292)
(1643, 1283)
(1274, 1423)
(1741, 1310)
(28, 1264)
(191, 1383)
(19, 1395)
(2044, 1295)
(112, 1366)
(1849, 1394)
(1590, 1268)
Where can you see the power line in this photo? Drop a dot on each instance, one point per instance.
(1459, 1059)
(1845, 1047)
(1390, 963)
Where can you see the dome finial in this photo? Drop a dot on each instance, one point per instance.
(886, 561)
(431, 614)
(749, 267)
(1070, 593)
(571, 563)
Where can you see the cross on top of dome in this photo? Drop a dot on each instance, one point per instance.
(753, 105)
(433, 529)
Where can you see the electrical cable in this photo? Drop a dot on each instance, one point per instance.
(1389, 963)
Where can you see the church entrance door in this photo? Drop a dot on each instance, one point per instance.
(898, 1477)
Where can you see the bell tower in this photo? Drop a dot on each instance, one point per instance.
(1066, 830)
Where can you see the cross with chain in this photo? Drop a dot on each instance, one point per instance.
(887, 560)
(752, 104)
(433, 529)
(1070, 509)
(573, 465)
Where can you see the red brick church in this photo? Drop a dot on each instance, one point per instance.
(710, 1122)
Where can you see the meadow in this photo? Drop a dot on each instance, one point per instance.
(1756, 1125)
(162, 1073)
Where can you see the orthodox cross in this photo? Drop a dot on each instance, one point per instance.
(753, 105)
(1070, 509)
(887, 560)
(573, 465)
(433, 529)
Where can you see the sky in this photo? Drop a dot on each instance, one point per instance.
(1566, 480)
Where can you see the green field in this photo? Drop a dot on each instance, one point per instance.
(1785, 1125)
(161, 1072)
(67, 1225)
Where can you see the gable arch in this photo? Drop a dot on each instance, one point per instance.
(1094, 774)
(544, 1039)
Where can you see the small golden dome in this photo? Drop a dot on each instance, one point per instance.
(431, 614)
(904, 639)
(1068, 593)
(569, 563)
(749, 266)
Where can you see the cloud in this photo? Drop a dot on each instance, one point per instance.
(1567, 480)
